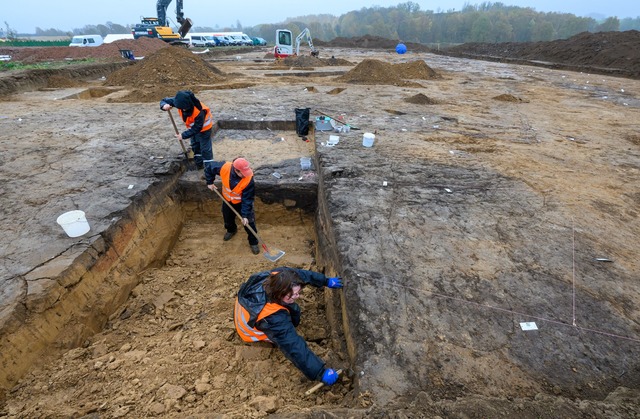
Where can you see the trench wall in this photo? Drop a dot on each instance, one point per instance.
(80, 300)
(39, 78)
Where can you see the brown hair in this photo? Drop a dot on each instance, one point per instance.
(281, 283)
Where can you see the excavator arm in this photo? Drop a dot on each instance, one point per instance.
(161, 7)
(306, 33)
(185, 24)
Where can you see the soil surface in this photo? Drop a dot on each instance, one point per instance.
(494, 195)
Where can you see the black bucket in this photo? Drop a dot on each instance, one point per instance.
(302, 121)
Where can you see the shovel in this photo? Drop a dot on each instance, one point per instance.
(273, 254)
(339, 121)
(188, 155)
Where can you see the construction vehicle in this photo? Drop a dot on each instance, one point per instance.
(156, 27)
(284, 43)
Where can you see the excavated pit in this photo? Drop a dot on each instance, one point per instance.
(134, 292)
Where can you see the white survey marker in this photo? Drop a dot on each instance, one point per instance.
(528, 326)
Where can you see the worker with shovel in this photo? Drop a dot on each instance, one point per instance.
(199, 121)
(238, 190)
(266, 311)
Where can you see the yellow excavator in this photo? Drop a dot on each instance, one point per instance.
(156, 27)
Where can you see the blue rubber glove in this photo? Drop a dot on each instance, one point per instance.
(334, 282)
(329, 377)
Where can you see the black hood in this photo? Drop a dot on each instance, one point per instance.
(184, 100)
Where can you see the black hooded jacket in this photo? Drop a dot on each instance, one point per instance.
(280, 327)
(185, 100)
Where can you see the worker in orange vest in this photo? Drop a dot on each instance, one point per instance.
(199, 122)
(266, 311)
(238, 189)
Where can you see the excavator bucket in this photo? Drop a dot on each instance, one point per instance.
(185, 27)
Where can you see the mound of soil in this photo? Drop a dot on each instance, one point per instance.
(509, 98)
(369, 41)
(619, 52)
(307, 61)
(140, 47)
(371, 71)
(421, 99)
(303, 61)
(174, 66)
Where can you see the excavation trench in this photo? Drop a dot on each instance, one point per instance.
(151, 298)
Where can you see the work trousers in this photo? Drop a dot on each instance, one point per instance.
(202, 150)
(230, 222)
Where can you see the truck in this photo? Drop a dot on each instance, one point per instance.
(156, 27)
(284, 43)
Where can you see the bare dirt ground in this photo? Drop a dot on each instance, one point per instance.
(494, 194)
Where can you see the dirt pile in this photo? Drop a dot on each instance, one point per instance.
(162, 73)
(509, 98)
(307, 61)
(302, 61)
(371, 71)
(174, 66)
(421, 99)
(140, 47)
(612, 50)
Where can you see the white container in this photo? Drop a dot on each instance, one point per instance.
(305, 163)
(333, 140)
(367, 139)
(74, 223)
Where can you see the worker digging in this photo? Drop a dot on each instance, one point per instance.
(238, 193)
(199, 121)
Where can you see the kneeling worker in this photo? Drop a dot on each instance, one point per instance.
(266, 310)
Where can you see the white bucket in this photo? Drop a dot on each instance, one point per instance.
(74, 223)
(367, 139)
(305, 163)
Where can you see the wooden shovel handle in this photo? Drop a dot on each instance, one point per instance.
(175, 127)
(318, 386)
(239, 216)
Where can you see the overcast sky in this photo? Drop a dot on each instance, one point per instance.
(24, 16)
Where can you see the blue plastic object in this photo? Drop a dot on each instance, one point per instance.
(401, 48)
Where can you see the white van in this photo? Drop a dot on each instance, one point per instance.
(201, 41)
(86, 41)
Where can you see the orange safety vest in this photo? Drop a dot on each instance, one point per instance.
(232, 195)
(208, 118)
(241, 317)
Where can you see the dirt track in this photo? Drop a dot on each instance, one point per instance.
(503, 185)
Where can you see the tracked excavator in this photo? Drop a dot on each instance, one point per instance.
(284, 44)
(156, 27)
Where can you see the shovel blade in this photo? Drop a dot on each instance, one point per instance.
(273, 254)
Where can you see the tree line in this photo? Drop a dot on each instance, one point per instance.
(484, 22)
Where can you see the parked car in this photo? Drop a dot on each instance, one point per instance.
(259, 41)
(221, 41)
